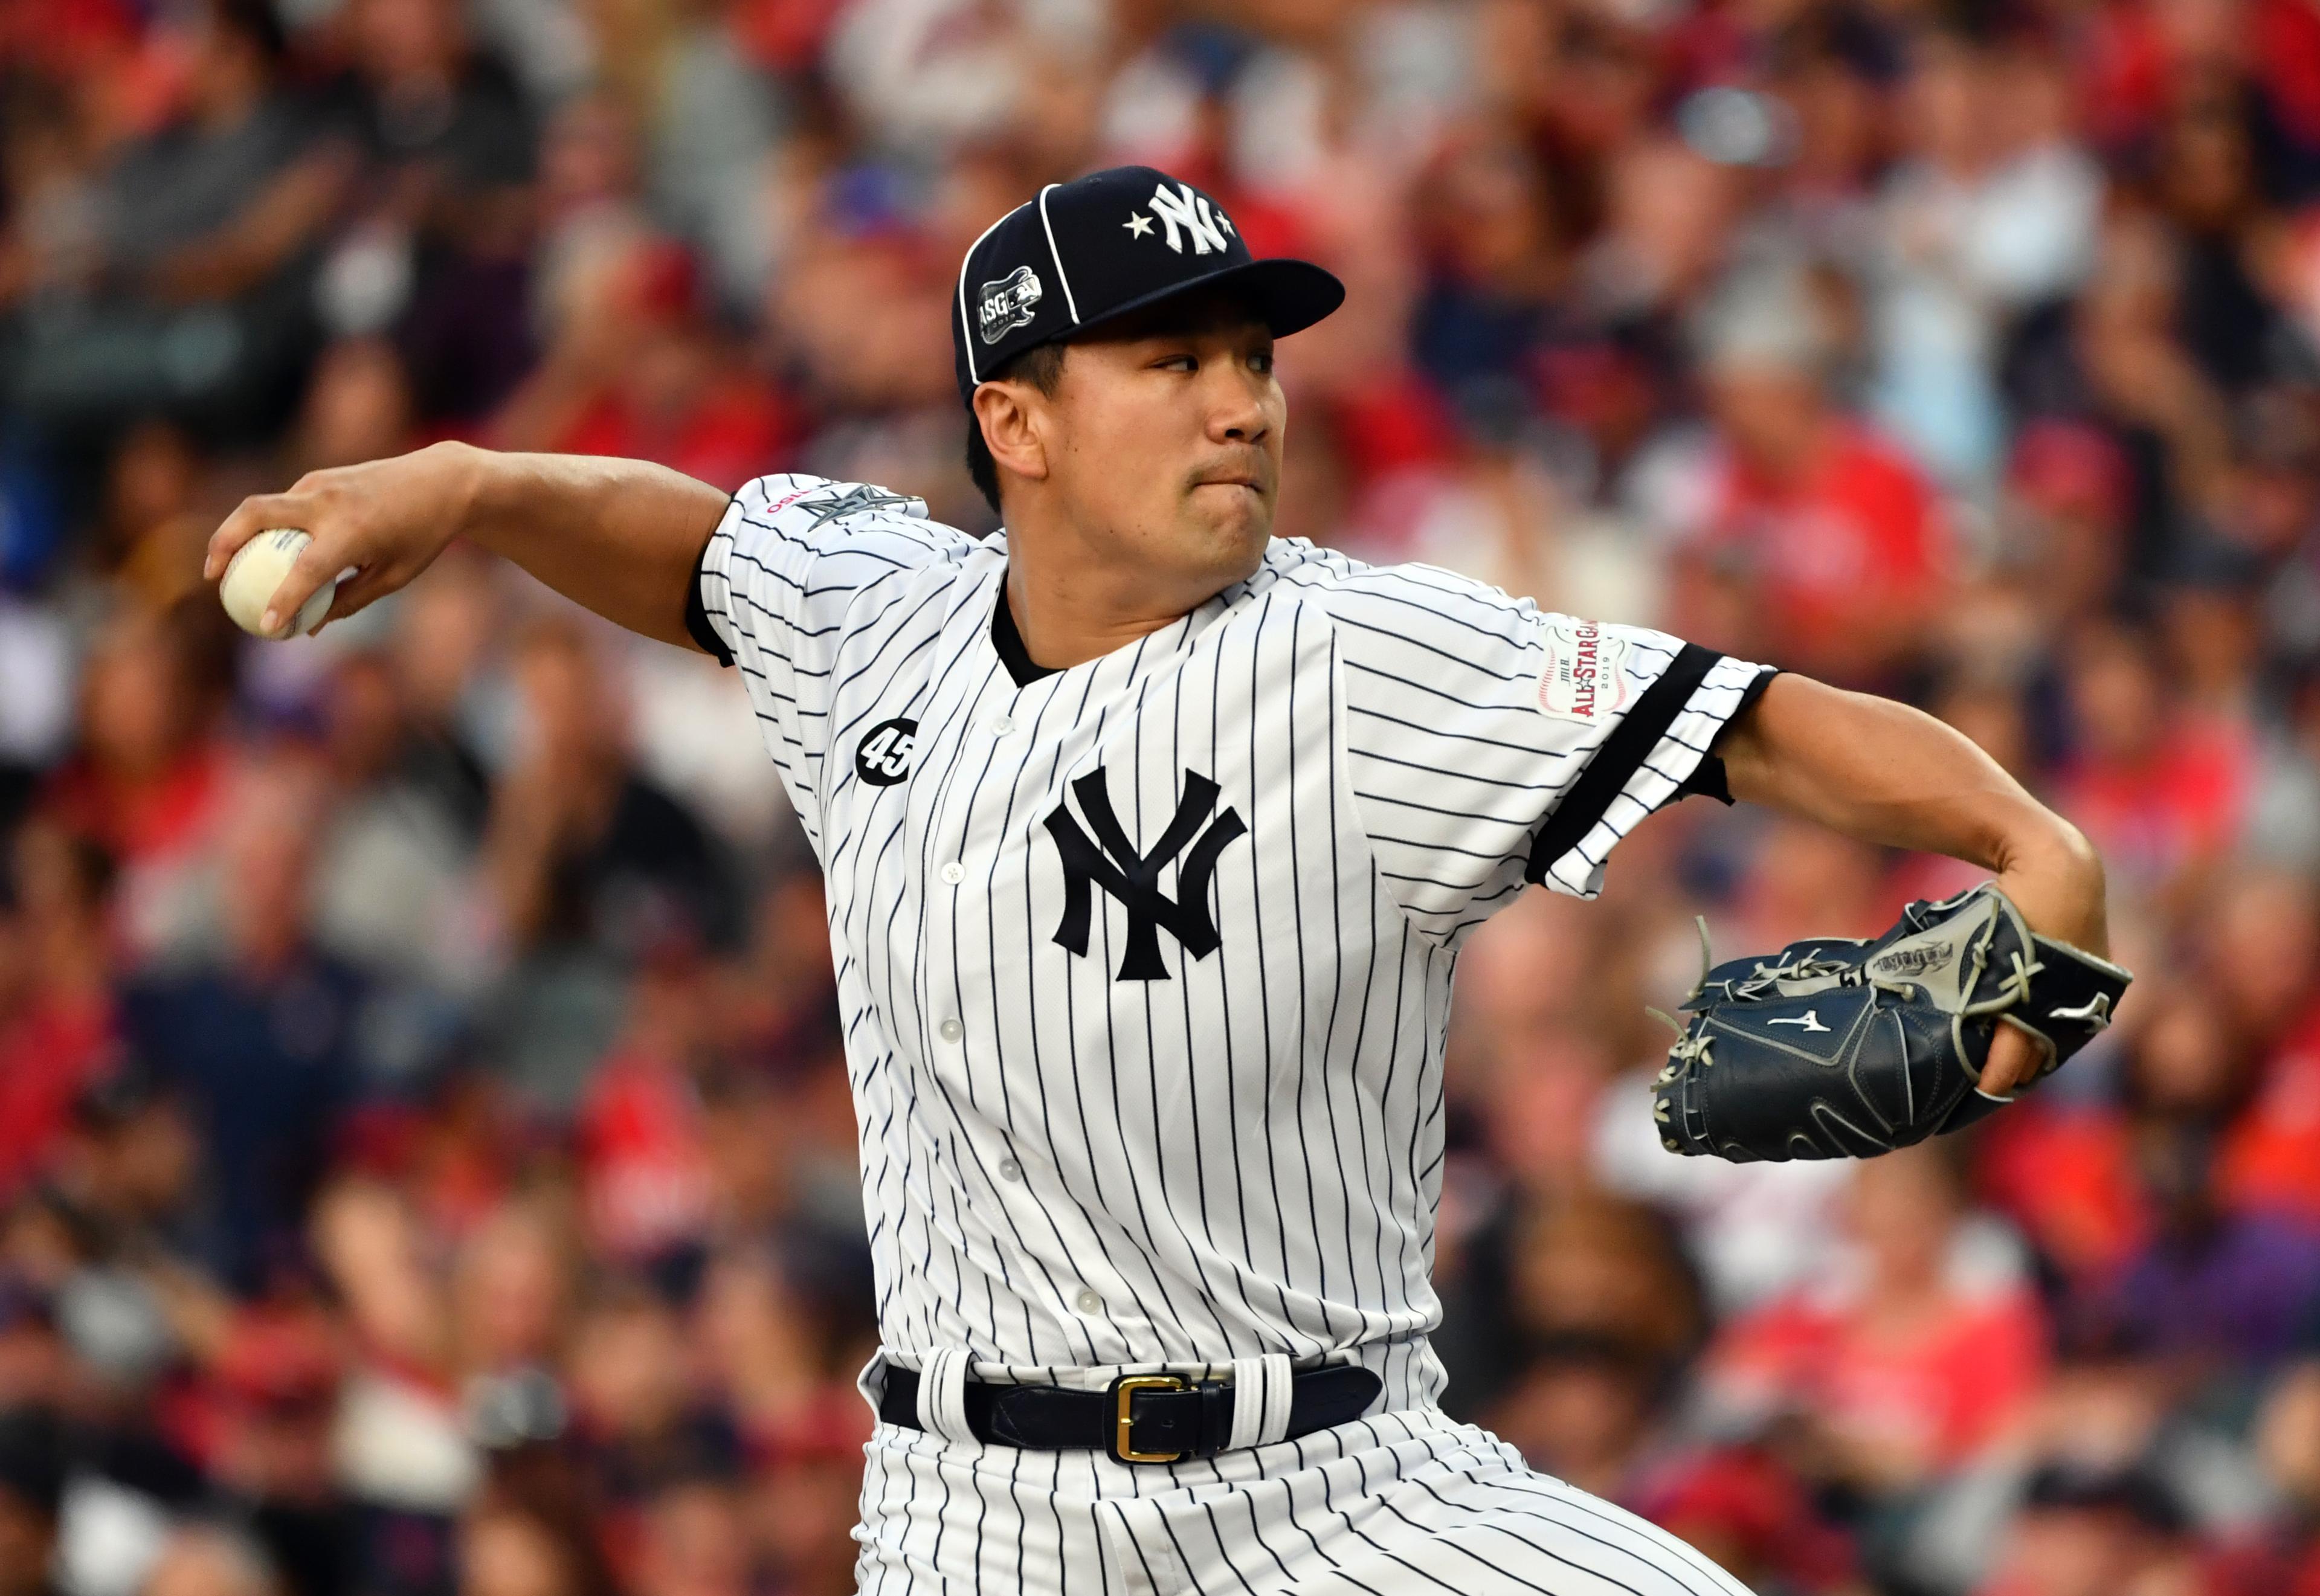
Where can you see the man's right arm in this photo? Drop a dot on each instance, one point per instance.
(621, 537)
(1893, 777)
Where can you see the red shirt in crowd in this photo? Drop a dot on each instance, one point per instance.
(2130, 69)
(736, 429)
(156, 829)
(645, 1172)
(142, 822)
(47, 1054)
(2271, 1156)
(1850, 549)
(1938, 1392)
(2066, 1175)
(1753, 1515)
(2152, 818)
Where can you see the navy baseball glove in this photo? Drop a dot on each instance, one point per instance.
(1843, 1048)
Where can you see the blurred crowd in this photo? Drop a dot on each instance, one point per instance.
(426, 1162)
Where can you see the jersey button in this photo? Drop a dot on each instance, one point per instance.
(1009, 1170)
(951, 1030)
(953, 873)
(1000, 725)
(1089, 1303)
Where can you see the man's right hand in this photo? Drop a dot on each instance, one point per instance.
(622, 537)
(387, 519)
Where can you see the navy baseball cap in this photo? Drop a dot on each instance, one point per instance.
(1099, 246)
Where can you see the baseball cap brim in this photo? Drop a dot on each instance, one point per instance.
(1287, 296)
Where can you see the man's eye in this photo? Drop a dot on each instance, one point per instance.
(1182, 362)
(1262, 362)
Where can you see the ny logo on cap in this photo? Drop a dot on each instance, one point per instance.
(1184, 213)
(1009, 303)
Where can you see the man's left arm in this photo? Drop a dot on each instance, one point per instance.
(1895, 776)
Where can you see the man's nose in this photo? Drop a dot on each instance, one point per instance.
(1236, 411)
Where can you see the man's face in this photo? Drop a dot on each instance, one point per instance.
(1163, 441)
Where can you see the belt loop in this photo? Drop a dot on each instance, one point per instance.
(1261, 1395)
(942, 1394)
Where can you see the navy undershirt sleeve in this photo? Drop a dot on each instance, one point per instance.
(696, 618)
(1710, 779)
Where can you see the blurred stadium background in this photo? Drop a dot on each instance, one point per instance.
(426, 1165)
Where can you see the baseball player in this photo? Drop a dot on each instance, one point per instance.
(1151, 841)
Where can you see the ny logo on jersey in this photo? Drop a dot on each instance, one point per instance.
(1183, 214)
(1112, 863)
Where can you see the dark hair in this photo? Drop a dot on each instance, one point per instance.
(1041, 366)
(32, 1458)
(256, 24)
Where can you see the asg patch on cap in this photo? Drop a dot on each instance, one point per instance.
(1009, 303)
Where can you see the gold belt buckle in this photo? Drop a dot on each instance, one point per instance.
(1124, 1390)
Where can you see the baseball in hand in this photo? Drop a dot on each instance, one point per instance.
(255, 570)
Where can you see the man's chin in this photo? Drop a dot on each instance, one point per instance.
(1245, 523)
(1218, 546)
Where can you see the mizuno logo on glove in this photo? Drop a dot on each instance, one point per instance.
(1811, 1021)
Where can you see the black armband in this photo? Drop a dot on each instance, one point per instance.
(1708, 778)
(1623, 752)
(696, 616)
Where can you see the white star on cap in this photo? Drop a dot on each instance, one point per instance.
(1136, 224)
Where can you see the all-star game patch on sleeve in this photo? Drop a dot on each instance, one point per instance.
(1490, 744)
(793, 569)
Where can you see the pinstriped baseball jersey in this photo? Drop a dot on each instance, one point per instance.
(1146, 963)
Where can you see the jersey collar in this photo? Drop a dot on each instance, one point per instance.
(1009, 642)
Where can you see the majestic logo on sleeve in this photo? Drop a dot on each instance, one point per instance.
(1584, 677)
(1111, 861)
(1009, 303)
(884, 756)
(1185, 214)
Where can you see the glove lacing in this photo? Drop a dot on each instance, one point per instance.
(2016, 984)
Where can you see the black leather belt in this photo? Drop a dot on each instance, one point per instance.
(1140, 1417)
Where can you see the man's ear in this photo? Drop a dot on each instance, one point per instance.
(1010, 426)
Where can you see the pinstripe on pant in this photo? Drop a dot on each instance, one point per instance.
(1411, 1501)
